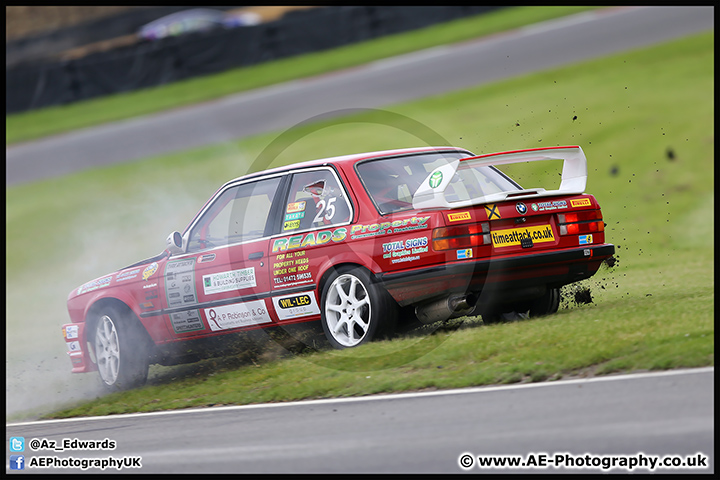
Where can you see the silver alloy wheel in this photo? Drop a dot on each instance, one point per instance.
(348, 310)
(107, 350)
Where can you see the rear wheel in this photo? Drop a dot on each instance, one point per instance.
(120, 350)
(355, 309)
(547, 304)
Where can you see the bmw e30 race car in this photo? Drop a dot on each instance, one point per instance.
(349, 241)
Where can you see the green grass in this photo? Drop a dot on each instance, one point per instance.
(58, 119)
(653, 310)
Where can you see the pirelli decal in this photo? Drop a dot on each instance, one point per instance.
(580, 202)
(457, 217)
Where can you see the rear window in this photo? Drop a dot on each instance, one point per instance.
(392, 182)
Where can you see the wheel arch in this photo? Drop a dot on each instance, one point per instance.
(334, 268)
(106, 303)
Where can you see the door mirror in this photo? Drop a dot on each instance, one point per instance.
(174, 243)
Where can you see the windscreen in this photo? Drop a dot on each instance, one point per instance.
(392, 182)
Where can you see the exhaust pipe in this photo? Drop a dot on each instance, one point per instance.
(453, 306)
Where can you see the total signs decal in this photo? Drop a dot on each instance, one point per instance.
(405, 251)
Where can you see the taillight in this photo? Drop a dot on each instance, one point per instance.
(461, 236)
(578, 223)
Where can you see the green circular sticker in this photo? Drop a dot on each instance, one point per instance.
(436, 179)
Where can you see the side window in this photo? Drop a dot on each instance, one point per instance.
(239, 214)
(315, 200)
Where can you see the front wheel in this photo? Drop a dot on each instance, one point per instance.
(120, 350)
(355, 309)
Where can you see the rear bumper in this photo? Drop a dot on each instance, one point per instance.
(555, 268)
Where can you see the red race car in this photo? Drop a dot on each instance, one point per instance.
(351, 241)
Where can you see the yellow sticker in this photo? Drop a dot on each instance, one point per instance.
(291, 225)
(513, 236)
(580, 202)
(492, 211)
(456, 217)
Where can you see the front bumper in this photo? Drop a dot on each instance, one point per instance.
(78, 348)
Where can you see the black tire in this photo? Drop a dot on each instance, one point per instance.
(548, 304)
(355, 309)
(120, 350)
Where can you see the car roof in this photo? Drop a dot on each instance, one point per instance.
(350, 159)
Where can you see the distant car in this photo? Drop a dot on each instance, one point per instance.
(195, 20)
(351, 241)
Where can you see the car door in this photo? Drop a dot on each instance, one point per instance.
(222, 282)
(313, 219)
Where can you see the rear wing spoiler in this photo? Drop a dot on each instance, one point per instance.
(431, 193)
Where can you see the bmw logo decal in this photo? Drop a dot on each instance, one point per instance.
(521, 208)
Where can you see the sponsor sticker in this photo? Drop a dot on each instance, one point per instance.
(514, 236)
(435, 179)
(94, 285)
(295, 207)
(456, 217)
(127, 275)
(385, 228)
(400, 248)
(237, 315)
(206, 258)
(580, 202)
(228, 281)
(291, 225)
(149, 271)
(186, 321)
(294, 216)
(71, 331)
(548, 206)
(492, 211)
(465, 253)
(180, 282)
(73, 346)
(296, 306)
(313, 238)
(585, 239)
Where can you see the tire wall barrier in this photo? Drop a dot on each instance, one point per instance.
(151, 63)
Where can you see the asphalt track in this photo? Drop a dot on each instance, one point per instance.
(584, 420)
(377, 85)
